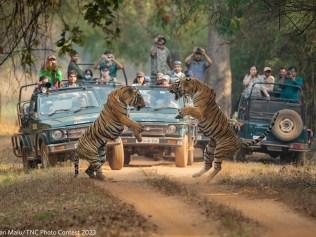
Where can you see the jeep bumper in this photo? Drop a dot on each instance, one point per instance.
(153, 141)
(71, 146)
(268, 146)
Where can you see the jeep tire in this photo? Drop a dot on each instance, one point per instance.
(288, 125)
(27, 164)
(293, 157)
(115, 156)
(47, 159)
(240, 155)
(191, 155)
(300, 157)
(182, 153)
(127, 158)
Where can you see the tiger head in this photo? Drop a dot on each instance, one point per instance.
(132, 97)
(183, 87)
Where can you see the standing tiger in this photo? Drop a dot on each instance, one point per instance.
(212, 122)
(109, 125)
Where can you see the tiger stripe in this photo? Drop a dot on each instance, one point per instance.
(213, 123)
(108, 126)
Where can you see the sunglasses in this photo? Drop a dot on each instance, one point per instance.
(52, 59)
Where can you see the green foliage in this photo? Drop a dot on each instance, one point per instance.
(91, 18)
(102, 13)
(69, 37)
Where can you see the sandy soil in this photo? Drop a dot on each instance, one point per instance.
(172, 216)
(176, 218)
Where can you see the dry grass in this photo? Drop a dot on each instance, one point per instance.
(7, 129)
(296, 186)
(232, 222)
(53, 200)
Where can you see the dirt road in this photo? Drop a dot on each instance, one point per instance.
(174, 217)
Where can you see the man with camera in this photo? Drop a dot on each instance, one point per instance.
(43, 85)
(160, 57)
(197, 63)
(107, 60)
(52, 71)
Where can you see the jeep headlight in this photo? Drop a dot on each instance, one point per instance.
(171, 129)
(57, 134)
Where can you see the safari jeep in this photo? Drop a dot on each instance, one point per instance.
(289, 138)
(51, 123)
(163, 135)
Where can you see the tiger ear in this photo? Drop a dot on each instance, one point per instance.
(131, 90)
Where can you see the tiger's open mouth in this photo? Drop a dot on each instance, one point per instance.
(139, 102)
(138, 107)
(177, 93)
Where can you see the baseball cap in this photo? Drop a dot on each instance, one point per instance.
(51, 57)
(165, 77)
(198, 50)
(140, 74)
(177, 63)
(267, 69)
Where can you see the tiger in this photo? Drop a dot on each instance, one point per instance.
(109, 125)
(212, 122)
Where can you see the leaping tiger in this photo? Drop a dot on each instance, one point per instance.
(109, 125)
(212, 122)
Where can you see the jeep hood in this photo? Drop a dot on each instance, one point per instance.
(154, 117)
(70, 120)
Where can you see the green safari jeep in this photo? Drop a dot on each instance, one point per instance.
(51, 123)
(289, 139)
(164, 135)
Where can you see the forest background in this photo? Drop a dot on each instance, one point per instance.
(236, 34)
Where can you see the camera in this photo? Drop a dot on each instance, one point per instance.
(44, 87)
(198, 50)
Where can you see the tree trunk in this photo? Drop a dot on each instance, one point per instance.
(219, 75)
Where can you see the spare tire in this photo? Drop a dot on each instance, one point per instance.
(288, 125)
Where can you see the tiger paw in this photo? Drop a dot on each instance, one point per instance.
(179, 115)
(99, 175)
(138, 137)
(139, 128)
(201, 172)
(90, 172)
(212, 175)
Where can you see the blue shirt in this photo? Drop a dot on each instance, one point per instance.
(112, 67)
(291, 88)
(197, 69)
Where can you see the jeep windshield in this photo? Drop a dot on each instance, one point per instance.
(159, 99)
(64, 103)
(103, 92)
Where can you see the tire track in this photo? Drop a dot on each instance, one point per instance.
(172, 215)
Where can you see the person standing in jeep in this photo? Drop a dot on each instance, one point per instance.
(51, 70)
(107, 62)
(292, 85)
(197, 63)
(73, 65)
(160, 57)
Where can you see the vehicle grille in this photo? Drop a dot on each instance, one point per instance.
(76, 133)
(154, 131)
